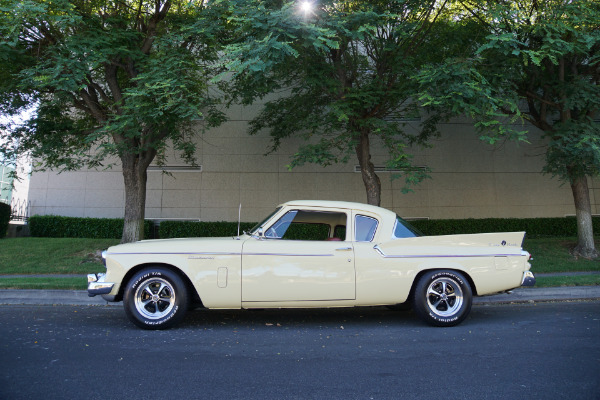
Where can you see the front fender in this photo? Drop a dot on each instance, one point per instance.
(212, 266)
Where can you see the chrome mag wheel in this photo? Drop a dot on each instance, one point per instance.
(155, 298)
(444, 296)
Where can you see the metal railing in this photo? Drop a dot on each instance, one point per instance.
(19, 209)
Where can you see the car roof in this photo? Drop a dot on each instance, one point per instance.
(340, 204)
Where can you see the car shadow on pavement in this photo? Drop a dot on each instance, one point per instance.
(300, 317)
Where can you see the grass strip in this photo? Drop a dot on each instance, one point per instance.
(33, 255)
(553, 255)
(579, 280)
(44, 283)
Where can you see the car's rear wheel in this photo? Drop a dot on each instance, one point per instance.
(155, 298)
(442, 298)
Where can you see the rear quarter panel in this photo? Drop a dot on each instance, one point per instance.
(493, 261)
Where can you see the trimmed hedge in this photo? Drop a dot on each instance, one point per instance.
(57, 226)
(535, 227)
(94, 228)
(4, 218)
(178, 229)
(183, 229)
(307, 232)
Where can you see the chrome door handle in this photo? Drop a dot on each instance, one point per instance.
(344, 249)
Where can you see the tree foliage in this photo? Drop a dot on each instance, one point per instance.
(539, 61)
(110, 79)
(342, 75)
(551, 50)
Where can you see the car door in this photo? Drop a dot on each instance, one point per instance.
(278, 270)
(379, 280)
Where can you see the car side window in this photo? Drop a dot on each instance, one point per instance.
(278, 229)
(403, 229)
(309, 225)
(365, 228)
(339, 232)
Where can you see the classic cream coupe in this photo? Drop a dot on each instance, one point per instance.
(313, 254)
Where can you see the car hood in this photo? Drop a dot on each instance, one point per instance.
(174, 246)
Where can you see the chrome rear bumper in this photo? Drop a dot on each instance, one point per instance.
(528, 279)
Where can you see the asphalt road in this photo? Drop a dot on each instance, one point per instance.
(525, 351)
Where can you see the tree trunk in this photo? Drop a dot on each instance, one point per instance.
(135, 177)
(585, 234)
(367, 169)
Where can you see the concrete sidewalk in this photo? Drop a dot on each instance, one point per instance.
(521, 295)
(526, 295)
(50, 297)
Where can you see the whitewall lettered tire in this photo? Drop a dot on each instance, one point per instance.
(442, 298)
(155, 298)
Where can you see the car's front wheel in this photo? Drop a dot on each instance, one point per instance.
(155, 298)
(442, 298)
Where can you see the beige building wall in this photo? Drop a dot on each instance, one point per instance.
(470, 179)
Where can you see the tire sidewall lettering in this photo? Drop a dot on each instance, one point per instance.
(448, 275)
(147, 277)
(144, 277)
(440, 319)
(424, 310)
(164, 320)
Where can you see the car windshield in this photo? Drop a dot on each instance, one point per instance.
(260, 224)
(405, 230)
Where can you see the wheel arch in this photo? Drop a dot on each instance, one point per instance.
(425, 271)
(194, 296)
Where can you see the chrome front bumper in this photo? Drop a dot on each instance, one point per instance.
(96, 284)
(528, 279)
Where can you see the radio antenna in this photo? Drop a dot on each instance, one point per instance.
(239, 220)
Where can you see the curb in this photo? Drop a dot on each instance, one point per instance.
(80, 297)
(51, 297)
(529, 295)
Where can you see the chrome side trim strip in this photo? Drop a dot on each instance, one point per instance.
(453, 256)
(288, 255)
(212, 253)
(231, 254)
(378, 249)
